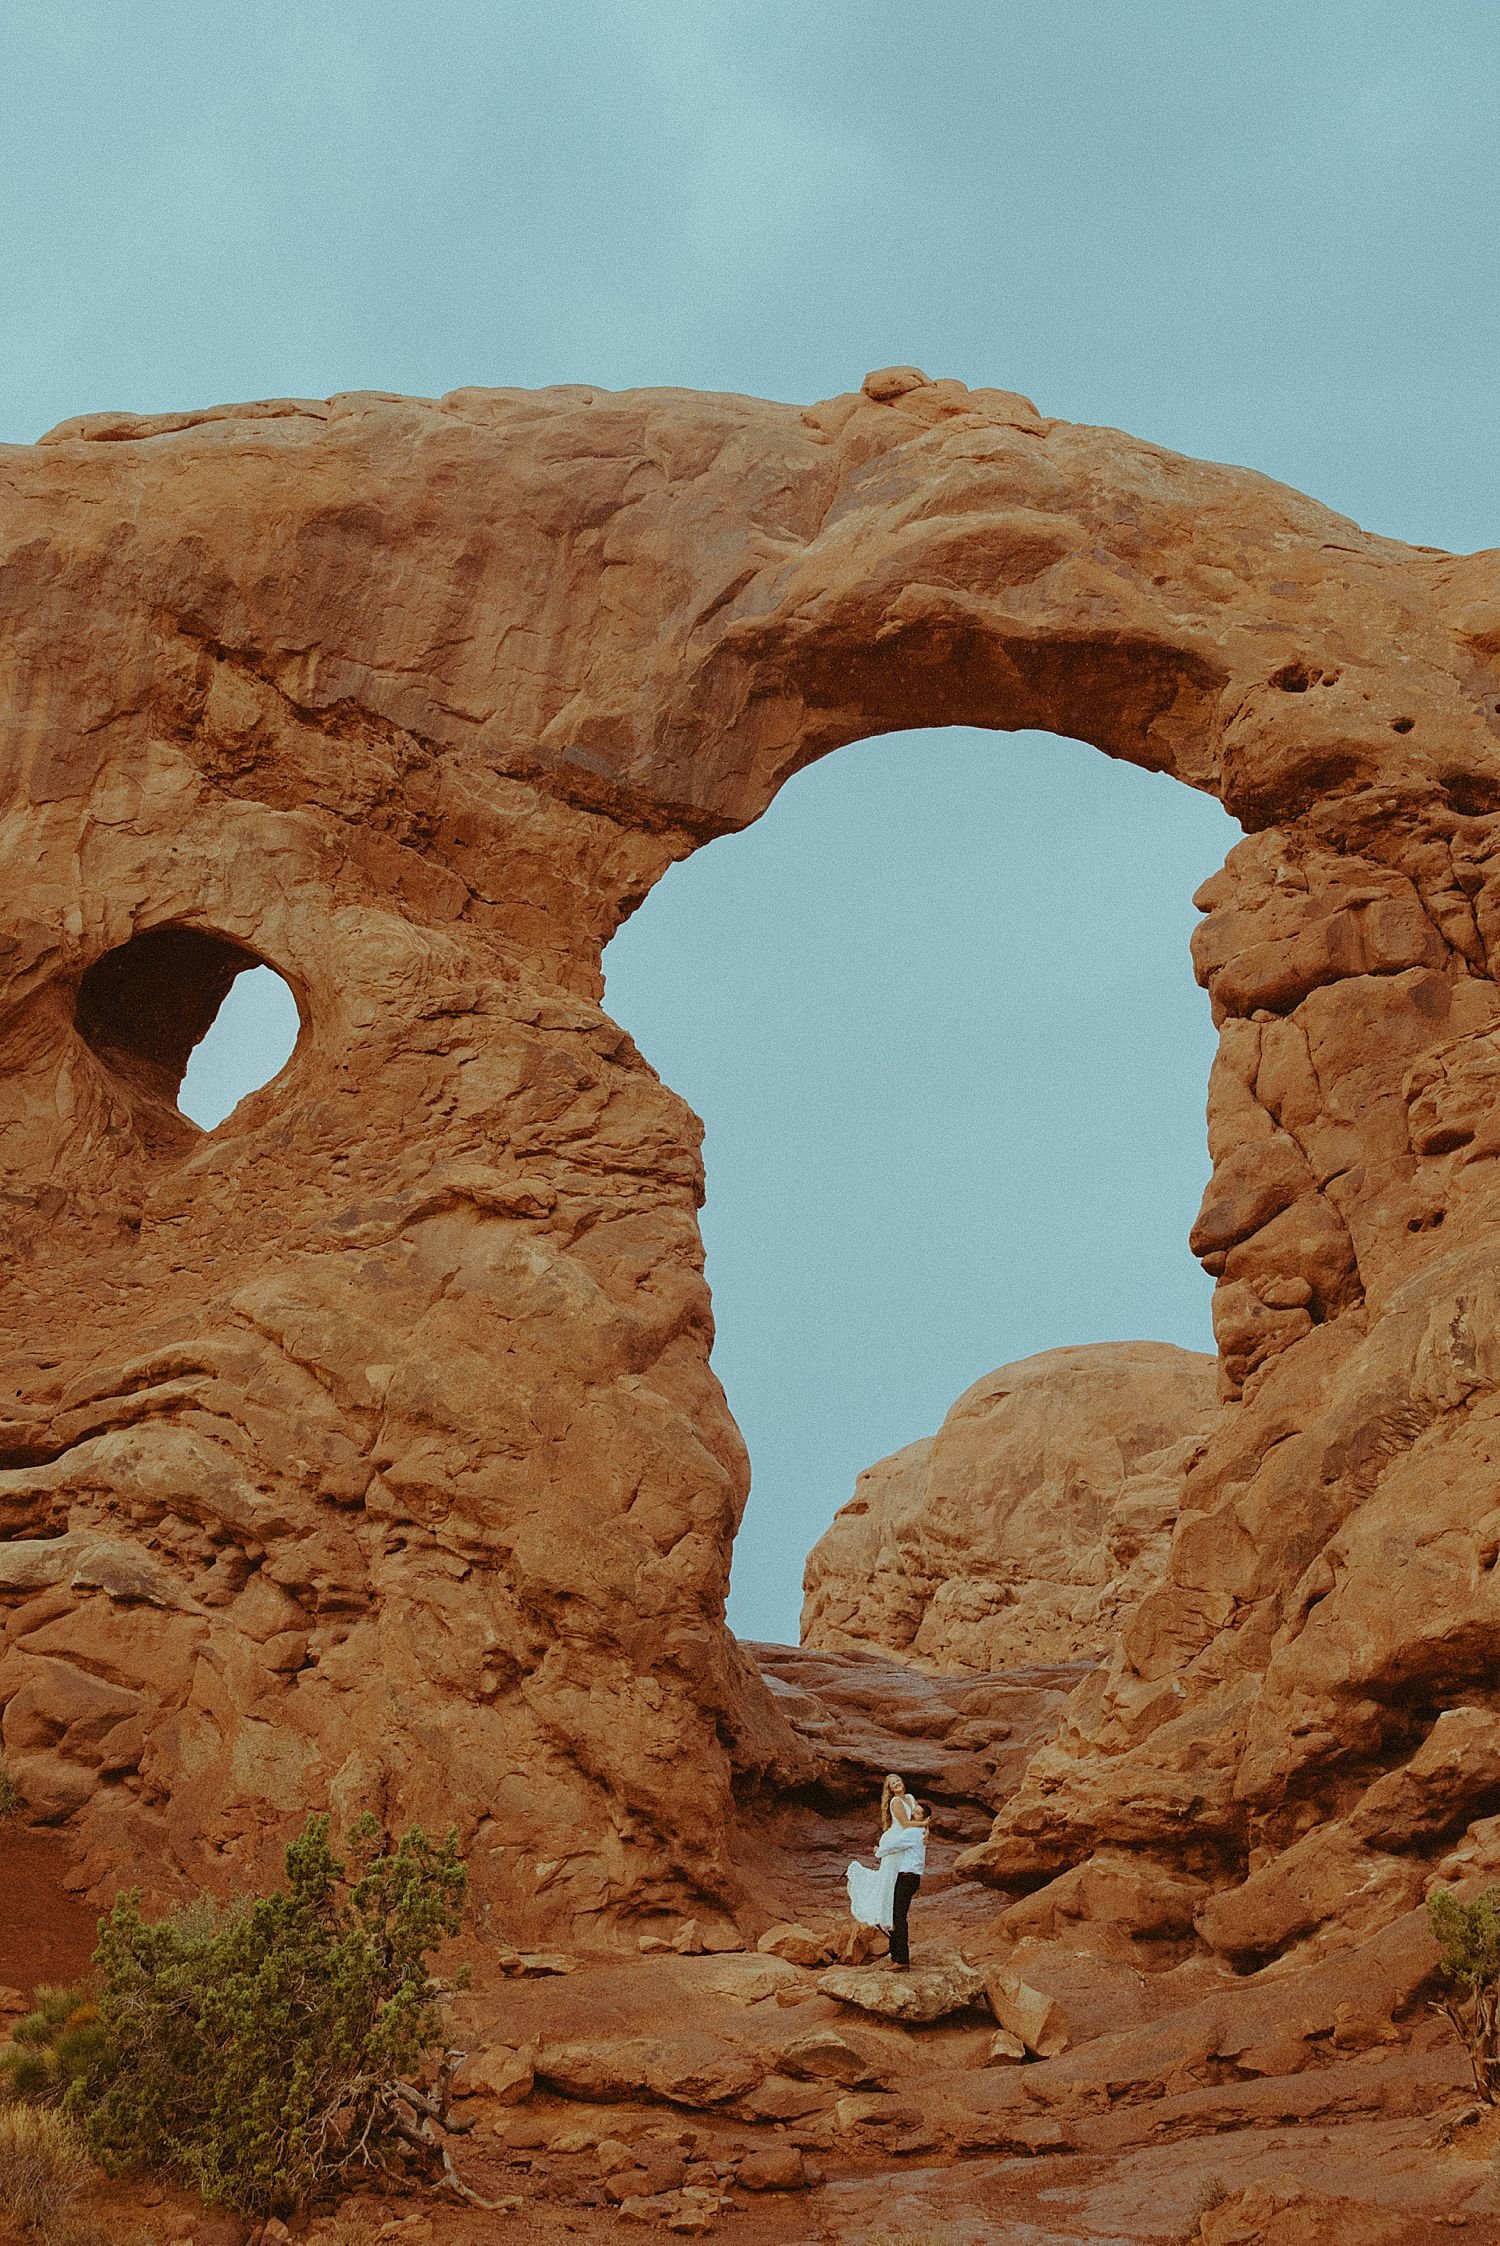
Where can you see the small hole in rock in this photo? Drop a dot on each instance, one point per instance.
(1293, 678)
(1402, 724)
(172, 997)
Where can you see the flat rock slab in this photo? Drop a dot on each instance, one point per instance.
(923, 1993)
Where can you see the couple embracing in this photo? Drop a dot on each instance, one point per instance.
(882, 1897)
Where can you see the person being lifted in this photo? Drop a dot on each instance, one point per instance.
(883, 1897)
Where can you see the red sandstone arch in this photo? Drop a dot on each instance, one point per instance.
(371, 1455)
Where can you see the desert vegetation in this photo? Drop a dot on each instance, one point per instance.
(1468, 1940)
(262, 2052)
(53, 2048)
(44, 2166)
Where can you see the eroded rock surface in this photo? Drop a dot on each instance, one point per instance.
(1030, 1525)
(694, 2087)
(380, 1420)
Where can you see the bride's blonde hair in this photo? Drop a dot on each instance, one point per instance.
(893, 1785)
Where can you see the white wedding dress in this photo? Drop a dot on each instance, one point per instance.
(872, 1893)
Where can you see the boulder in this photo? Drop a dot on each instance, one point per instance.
(631, 2183)
(858, 1944)
(1024, 2013)
(796, 1945)
(773, 2168)
(656, 2209)
(930, 1990)
(501, 2072)
(694, 2214)
(662, 2168)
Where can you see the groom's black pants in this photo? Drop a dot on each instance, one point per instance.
(907, 1884)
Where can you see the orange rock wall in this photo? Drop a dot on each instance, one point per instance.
(366, 1450)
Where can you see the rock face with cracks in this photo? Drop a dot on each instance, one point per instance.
(1031, 1525)
(365, 1450)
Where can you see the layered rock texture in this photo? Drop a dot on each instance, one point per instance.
(1031, 1525)
(366, 1449)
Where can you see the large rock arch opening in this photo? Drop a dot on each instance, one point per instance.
(370, 1454)
(936, 1011)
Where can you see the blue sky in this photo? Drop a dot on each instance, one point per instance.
(936, 1008)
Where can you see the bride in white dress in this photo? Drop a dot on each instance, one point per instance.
(882, 1896)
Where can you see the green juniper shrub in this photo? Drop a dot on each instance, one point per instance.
(259, 2052)
(1468, 1940)
(56, 2045)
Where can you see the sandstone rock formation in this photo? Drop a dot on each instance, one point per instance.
(1030, 1526)
(373, 1434)
(933, 1988)
(958, 1740)
(676, 2081)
